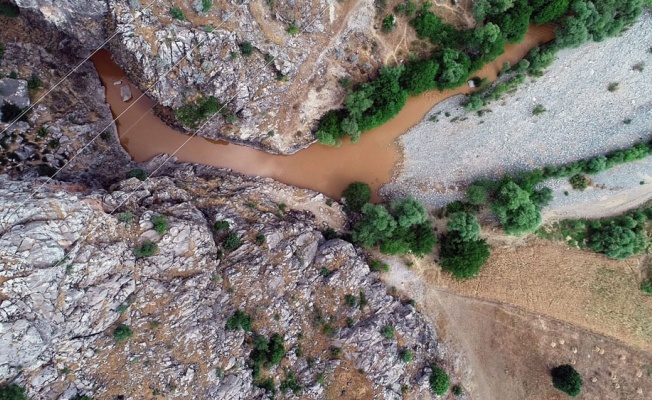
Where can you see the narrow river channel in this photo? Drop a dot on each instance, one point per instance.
(325, 169)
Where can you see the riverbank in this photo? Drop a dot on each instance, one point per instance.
(583, 118)
(325, 169)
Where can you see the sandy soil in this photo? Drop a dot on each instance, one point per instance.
(509, 351)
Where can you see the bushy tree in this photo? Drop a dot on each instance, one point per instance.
(567, 379)
(239, 320)
(465, 225)
(355, 196)
(616, 241)
(417, 239)
(419, 76)
(376, 225)
(514, 21)
(455, 68)
(541, 197)
(477, 195)
(547, 11)
(439, 381)
(463, 258)
(408, 212)
(517, 213)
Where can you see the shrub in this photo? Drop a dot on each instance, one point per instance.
(246, 48)
(377, 265)
(463, 258)
(476, 195)
(126, 217)
(409, 212)
(406, 355)
(231, 241)
(267, 384)
(290, 383)
(239, 320)
(387, 332)
(221, 226)
(266, 353)
(646, 287)
(177, 13)
(160, 223)
(579, 181)
(145, 249)
(439, 381)
(465, 225)
(12, 392)
(192, 114)
(293, 28)
(538, 110)
(389, 23)
(336, 352)
(2, 50)
(376, 225)
(122, 333)
(11, 112)
(613, 86)
(567, 379)
(260, 239)
(355, 196)
(457, 390)
(351, 300)
(34, 82)
(206, 5)
(138, 173)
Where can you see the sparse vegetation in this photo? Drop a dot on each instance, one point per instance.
(538, 110)
(406, 355)
(192, 114)
(220, 226)
(567, 379)
(457, 390)
(34, 82)
(231, 241)
(388, 332)
(239, 320)
(266, 353)
(206, 5)
(126, 217)
(12, 392)
(439, 381)
(293, 28)
(613, 86)
(378, 266)
(291, 382)
(122, 333)
(145, 249)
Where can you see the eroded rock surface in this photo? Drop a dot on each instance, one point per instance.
(70, 278)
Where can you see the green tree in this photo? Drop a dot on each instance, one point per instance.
(409, 211)
(567, 379)
(616, 241)
(514, 21)
(465, 225)
(547, 11)
(389, 23)
(439, 381)
(239, 320)
(454, 70)
(376, 225)
(463, 258)
(355, 196)
(516, 211)
(477, 195)
(419, 76)
(418, 239)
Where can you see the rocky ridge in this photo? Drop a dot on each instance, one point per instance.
(284, 86)
(70, 278)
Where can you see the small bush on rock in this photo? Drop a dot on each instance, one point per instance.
(239, 320)
(122, 333)
(138, 173)
(439, 381)
(145, 249)
(160, 223)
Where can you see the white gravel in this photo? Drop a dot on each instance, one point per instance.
(583, 119)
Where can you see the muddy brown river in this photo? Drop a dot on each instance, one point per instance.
(326, 169)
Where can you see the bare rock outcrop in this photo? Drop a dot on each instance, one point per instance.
(71, 277)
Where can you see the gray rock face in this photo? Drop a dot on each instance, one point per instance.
(14, 91)
(71, 277)
(284, 86)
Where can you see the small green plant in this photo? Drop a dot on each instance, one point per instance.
(270, 133)
(325, 272)
(579, 182)
(246, 48)
(122, 308)
(457, 390)
(54, 144)
(336, 352)
(639, 67)
(290, 383)
(646, 287)
(351, 300)
(345, 82)
(206, 5)
(138, 173)
(2, 50)
(267, 384)
(42, 131)
(122, 333)
(160, 223)
(406, 355)
(260, 239)
(239, 320)
(221, 226)
(209, 29)
(389, 23)
(193, 113)
(439, 381)
(627, 121)
(613, 86)
(231, 118)
(292, 29)
(231, 241)
(538, 110)
(320, 379)
(177, 13)
(145, 249)
(106, 136)
(388, 332)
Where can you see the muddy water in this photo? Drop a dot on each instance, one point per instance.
(325, 169)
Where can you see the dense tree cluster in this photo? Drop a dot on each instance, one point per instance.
(460, 52)
(462, 251)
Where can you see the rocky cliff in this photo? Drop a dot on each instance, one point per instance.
(70, 277)
(274, 65)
